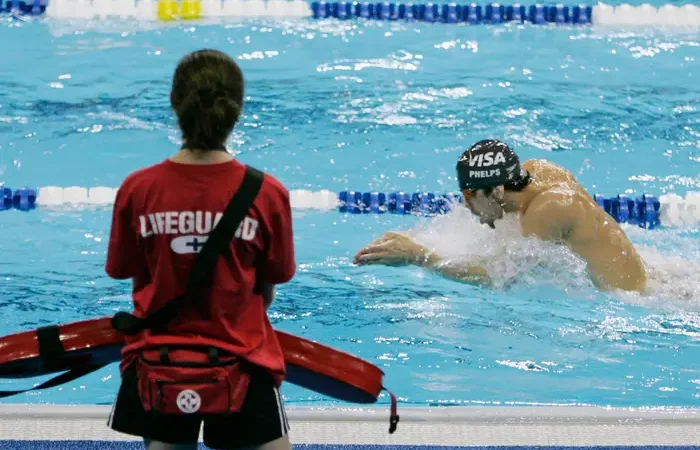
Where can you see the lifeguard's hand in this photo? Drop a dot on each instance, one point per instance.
(391, 249)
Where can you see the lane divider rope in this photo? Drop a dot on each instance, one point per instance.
(450, 12)
(645, 210)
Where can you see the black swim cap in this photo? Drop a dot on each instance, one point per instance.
(490, 163)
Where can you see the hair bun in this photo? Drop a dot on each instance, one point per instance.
(208, 96)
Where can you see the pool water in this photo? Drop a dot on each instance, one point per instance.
(381, 106)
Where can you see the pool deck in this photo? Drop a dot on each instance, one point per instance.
(439, 426)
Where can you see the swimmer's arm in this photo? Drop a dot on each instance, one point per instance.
(470, 273)
(551, 217)
(554, 217)
(398, 249)
(551, 220)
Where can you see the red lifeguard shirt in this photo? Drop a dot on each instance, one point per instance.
(161, 213)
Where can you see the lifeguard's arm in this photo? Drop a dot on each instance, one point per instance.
(123, 257)
(280, 263)
(268, 294)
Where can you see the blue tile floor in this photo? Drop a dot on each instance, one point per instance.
(135, 445)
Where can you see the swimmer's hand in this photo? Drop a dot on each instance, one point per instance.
(396, 249)
(391, 249)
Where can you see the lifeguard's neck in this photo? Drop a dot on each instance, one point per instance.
(187, 156)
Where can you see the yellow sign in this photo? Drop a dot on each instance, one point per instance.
(186, 10)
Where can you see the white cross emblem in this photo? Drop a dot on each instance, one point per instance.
(189, 401)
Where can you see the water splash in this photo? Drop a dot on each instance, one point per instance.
(509, 257)
(673, 274)
(514, 260)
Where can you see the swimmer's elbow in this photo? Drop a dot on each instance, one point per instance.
(475, 280)
(639, 283)
(477, 276)
(629, 283)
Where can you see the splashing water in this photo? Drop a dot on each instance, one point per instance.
(512, 259)
(508, 256)
(673, 271)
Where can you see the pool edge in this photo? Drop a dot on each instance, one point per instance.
(461, 414)
(442, 426)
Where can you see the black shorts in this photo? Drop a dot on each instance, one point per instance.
(262, 418)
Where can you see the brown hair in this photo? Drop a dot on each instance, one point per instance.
(207, 96)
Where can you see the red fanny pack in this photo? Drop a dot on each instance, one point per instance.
(189, 381)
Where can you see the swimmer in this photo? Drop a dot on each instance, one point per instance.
(552, 206)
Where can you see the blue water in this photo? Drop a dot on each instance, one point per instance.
(381, 106)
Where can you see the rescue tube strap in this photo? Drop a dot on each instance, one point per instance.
(394, 417)
(51, 353)
(66, 377)
(218, 241)
(51, 349)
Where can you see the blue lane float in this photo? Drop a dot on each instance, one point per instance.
(23, 199)
(643, 211)
(472, 13)
(16, 7)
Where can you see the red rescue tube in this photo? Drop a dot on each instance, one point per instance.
(328, 371)
(310, 365)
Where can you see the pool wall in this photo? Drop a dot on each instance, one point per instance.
(440, 426)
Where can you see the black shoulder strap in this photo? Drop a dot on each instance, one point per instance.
(50, 347)
(219, 239)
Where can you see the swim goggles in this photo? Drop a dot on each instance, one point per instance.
(470, 193)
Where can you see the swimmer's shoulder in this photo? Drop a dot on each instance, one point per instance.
(533, 165)
(540, 165)
(549, 173)
(562, 203)
(558, 200)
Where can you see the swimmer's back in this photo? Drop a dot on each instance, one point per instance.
(168, 209)
(549, 174)
(613, 262)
